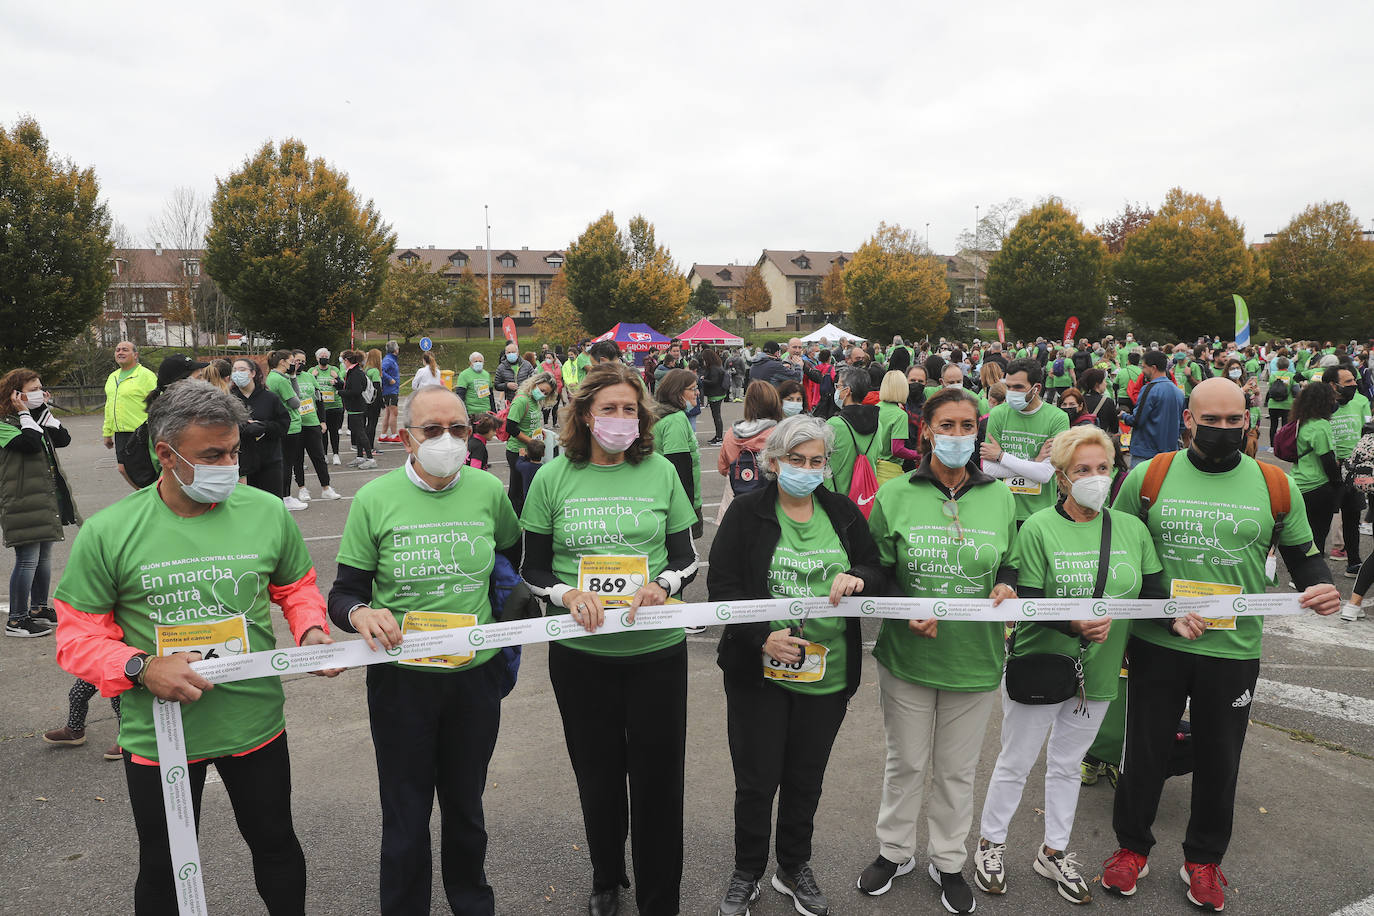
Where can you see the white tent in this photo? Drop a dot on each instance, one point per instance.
(832, 334)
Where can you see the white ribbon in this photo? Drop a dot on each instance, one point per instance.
(171, 746)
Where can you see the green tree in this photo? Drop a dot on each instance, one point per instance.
(1178, 273)
(594, 264)
(469, 301)
(705, 300)
(54, 249)
(413, 298)
(1048, 268)
(651, 289)
(895, 286)
(753, 296)
(558, 321)
(1321, 275)
(294, 246)
(833, 299)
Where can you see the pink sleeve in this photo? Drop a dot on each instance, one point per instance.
(92, 647)
(301, 604)
(900, 450)
(728, 450)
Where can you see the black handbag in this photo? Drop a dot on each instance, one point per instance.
(1046, 678)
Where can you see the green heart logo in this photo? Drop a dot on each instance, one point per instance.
(723, 612)
(552, 628)
(473, 559)
(237, 596)
(280, 661)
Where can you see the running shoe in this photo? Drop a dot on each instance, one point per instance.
(1206, 885)
(1062, 869)
(303, 495)
(742, 891)
(293, 504)
(876, 879)
(335, 459)
(330, 493)
(44, 613)
(1351, 612)
(955, 894)
(1121, 872)
(1337, 553)
(367, 464)
(989, 872)
(800, 884)
(114, 752)
(27, 628)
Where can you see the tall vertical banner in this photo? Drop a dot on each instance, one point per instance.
(1070, 329)
(352, 331)
(1001, 332)
(1242, 322)
(508, 328)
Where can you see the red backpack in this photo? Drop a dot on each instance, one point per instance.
(1286, 442)
(863, 482)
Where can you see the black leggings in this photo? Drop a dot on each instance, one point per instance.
(374, 412)
(1321, 505)
(516, 489)
(312, 442)
(1276, 420)
(259, 787)
(1351, 502)
(715, 417)
(291, 447)
(267, 477)
(357, 431)
(79, 703)
(333, 422)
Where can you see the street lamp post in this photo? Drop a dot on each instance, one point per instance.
(976, 235)
(491, 321)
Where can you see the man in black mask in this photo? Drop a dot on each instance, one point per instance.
(1212, 516)
(1347, 425)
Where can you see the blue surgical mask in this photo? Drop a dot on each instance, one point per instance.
(791, 408)
(241, 378)
(1016, 400)
(839, 398)
(210, 483)
(537, 393)
(477, 366)
(512, 357)
(954, 451)
(798, 481)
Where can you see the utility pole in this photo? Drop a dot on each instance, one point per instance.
(977, 236)
(491, 321)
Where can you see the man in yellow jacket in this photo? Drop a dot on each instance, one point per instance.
(125, 392)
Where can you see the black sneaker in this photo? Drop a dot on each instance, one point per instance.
(877, 878)
(742, 891)
(1353, 571)
(800, 884)
(955, 893)
(43, 612)
(27, 628)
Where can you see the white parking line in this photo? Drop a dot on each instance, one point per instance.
(1363, 907)
(1310, 699)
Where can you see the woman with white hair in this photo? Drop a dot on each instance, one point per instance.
(1076, 549)
(787, 682)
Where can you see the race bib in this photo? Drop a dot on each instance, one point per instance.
(1189, 588)
(613, 579)
(307, 406)
(482, 389)
(212, 639)
(424, 622)
(808, 670)
(1023, 486)
(327, 393)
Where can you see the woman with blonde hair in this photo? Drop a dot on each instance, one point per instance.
(1076, 549)
(893, 427)
(524, 422)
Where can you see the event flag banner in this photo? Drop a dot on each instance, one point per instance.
(1070, 329)
(171, 747)
(1242, 322)
(508, 328)
(1001, 332)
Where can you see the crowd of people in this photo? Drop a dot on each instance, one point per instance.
(924, 470)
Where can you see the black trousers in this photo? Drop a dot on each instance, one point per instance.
(374, 413)
(312, 442)
(259, 787)
(357, 430)
(516, 488)
(1352, 506)
(434, 734)
(291, 451)
(1218, 692)
(1276, 419)
(267, 477)
(333, 422)
(1321, 504)
(779, 740)
(715, 417)
(627, 720)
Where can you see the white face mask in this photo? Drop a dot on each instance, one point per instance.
(1091, 492)
(442, 456)
(35, 399)
(210, 483)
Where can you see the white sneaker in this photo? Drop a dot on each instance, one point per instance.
(1351, 612)
(367, 464)
(330, 493)
(303, 495)
(294, 504)
(356, 461)
(1366, 528)
(1062, 869)
(989, 872)
(336, 459)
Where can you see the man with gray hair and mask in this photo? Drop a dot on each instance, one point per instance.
(180, 571)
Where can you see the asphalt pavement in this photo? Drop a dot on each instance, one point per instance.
(1302, 842)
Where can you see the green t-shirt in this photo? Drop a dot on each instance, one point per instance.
(281, 386)
(849, 444)
(918, 540)
(476, 387)
(1347, 423)
(1125, 377)
(1022, 435)
(932, 390)
(1062, 557)
(209, 577)
(1054, 380)
(310, 409)
(1286, 403)
(431, 553)
(1212, 534)
(617, 510)
(530, 418)
(808, 558)
(324, 385)
(893, 423)
(1301, 359)
(1314, 440)
(673, 436)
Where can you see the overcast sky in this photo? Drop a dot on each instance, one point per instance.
(732, 126)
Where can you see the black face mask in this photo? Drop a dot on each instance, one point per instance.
(915, 393)
(1347, 394)
(1217, 444)
(324, 361)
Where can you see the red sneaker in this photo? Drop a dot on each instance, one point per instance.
(1205, 883)
(1122, 870)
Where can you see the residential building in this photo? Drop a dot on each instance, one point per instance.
(966, 274)
(521, 278)
(150, 293)
(794, 281)
(726, 278)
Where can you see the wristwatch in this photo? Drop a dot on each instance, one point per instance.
(663, 584)
(135, 667)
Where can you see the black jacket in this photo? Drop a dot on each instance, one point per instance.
(260, 438)
(740, 557)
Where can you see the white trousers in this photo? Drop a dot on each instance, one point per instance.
(939, 730)
(1071, 732)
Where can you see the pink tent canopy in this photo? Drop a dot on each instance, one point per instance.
(704, 332)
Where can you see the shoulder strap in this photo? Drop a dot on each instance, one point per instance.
(855, 442)
(1280, 503)
(1104, 555)
(1155, 473)
(1100, 399)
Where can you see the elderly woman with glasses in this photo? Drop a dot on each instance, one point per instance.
(944, 530)
(787, 682)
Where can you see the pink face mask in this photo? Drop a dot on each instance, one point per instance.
(615, 434)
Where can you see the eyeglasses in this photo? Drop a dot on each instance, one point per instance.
(815, 462)
(950, 508)
(434, 430)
